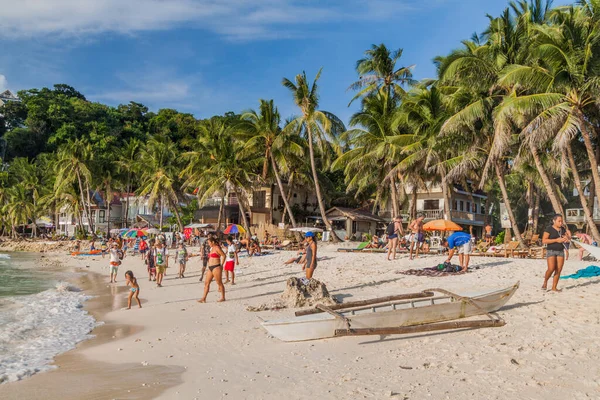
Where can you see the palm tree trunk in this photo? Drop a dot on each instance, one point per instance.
(313, 166)
(394, 195)
(108, 219)
(591, 155)
(285, 201)
(413, 205)
(447, 214)
(92, 224)
(160, 218)
(127, 200)
(546, 180)
(219, 217)
(536, 210)
(83, 202)
(289, 198)
(486, 215)
(241, 201)
(177, 216)
(511, 215)
(584, 204)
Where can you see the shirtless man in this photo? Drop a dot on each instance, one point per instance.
(488, 234)
(416, 229)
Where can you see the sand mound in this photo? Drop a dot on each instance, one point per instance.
(298, 293)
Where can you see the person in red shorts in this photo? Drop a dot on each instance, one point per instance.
(231, 260)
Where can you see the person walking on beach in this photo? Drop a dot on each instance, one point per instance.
(216, 258)
(150, 263)
(554, 238)
(311, 254)
(134, 290)
(231, 260)
(143, 248)
(393, 230)
(161, 260)
(181, 255)
(462, 242)
(417, 236)
(204, 252)
(116, 255)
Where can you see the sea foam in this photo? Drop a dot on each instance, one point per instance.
(35, 328)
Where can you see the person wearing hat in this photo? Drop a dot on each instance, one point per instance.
(311, 254)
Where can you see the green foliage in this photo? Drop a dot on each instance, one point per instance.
(500, 238)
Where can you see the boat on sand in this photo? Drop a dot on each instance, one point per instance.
(408, 313)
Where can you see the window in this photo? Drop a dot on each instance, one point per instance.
(431, 205)
(456, 205)
(259, 199)
(462, 206)
(483, 209)
(101, 215)
(474, 208)
(468, 206)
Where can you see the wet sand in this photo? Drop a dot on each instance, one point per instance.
(79, 378)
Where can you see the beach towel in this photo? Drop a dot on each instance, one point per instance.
(589, 272)
(434, 272)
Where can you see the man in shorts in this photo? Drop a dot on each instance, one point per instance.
(459, 242)
(161, 260)
(115, 260)
(416, 235)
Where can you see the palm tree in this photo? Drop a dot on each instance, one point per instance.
(73, 159)
(26, 174)
(378, 72)
(318, 124)
(264, 135)
(19, 207)
(128, 161)
(158, 163)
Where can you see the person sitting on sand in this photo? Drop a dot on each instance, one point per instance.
(311, 254)
(276, 242)
(92, 244)
(583, 238)
(393, 230)
(231, 260)
(134, 291)
(417, 236)
(254, 249)
(374, 244)
(77, 246)
(216, 258)
(462, 242)
(554, 238)
(299, 259)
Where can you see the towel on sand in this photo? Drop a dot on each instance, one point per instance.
(430, 272)
(588, 272)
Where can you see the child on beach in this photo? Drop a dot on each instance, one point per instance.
(181, 255)
(231, 260)
(161, 260)
(134, 291)
(151, 265)
(116, 255)
(103, 247)
(143, 248)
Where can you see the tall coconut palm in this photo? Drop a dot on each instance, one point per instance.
(19, 207)
(318, 125)
(127, 162)
(263, 134)
(378, 72)
(159, 166)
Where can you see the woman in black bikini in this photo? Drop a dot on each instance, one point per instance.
(216, 259)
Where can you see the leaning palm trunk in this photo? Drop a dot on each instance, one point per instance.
(219, 217)
(591, 155)
(92, 225)
(127, 200)
(289, 198)
(83, 203)
(545, 180)
(413, 205)
(536, 210)
(447, 215)
(285, 201)
(511, 215)
(334, 237)
(394, 195)
(584, 204)
(160, 210)
(241, 201)
(177, 216)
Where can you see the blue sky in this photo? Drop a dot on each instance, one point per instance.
(208, 57)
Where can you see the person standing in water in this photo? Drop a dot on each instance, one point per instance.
(216, 258)
(311, 254)
(231, 260)
(554, 238)
(393, 231)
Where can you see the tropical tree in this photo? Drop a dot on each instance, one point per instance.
(319, 126)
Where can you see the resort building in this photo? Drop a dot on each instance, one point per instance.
(7, 96)
(467, 206)
(574, 214)
(67, 219)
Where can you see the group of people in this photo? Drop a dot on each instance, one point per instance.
(396, 237)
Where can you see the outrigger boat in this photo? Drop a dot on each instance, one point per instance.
(407, 313)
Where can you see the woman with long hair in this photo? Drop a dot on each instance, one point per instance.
(555, 239)
(311, 254)
(216, 259)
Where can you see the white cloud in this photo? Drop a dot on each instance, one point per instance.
(3, 83)
(235, 19)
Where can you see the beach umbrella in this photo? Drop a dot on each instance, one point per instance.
(234, 228)
(305, 229)
(133, 233)
(441, 225)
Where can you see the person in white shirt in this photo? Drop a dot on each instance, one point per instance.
(115, 260)
(231, 260)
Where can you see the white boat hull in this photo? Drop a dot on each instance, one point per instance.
(392, 314)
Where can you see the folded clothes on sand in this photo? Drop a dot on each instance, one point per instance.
(589, 272)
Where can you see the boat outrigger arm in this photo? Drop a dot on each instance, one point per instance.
(494, 322)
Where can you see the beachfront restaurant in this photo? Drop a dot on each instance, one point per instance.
(351, 224)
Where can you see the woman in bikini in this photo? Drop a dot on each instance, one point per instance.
(216, 259)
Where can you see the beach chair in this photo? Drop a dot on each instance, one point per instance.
(534, 240)
(537, 252)
(285, 245)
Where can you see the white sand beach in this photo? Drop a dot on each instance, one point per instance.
(546, 350)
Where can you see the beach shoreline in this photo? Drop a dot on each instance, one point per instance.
(220, 349)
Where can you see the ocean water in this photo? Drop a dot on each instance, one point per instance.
(41, 316)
